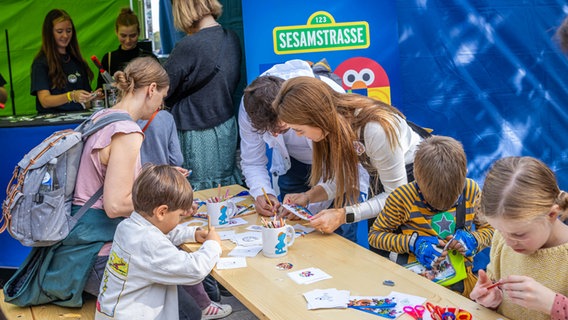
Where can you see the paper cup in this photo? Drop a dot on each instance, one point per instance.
(221, 212)
(275, 241)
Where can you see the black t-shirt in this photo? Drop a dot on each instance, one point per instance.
(2, 81)
(119, 59)
(77, 79)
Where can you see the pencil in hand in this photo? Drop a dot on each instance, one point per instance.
(267, 199)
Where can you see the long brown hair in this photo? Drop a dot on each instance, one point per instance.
(521, 188)
(49, 48)
(310, 101)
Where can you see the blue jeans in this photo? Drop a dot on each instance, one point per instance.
(296, 180)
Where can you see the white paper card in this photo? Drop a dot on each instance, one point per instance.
(226, 235)
(308, 275)
(248, 239)
(231, 263)
(327, 298)
(240, 251)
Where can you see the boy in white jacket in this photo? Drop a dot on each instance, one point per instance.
(145, 266)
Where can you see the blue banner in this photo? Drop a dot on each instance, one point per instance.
(360, 42)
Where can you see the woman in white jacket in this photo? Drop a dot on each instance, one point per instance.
(347, 130)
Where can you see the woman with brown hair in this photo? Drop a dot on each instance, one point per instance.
(61, 78)
(127, 29)
(347, 129)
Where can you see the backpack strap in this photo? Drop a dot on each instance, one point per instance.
(423, 133)
(89, 128)
(88, 204)
(460, 212)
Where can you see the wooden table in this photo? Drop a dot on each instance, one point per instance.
(270, 294)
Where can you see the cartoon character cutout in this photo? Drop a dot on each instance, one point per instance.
(223, 217)
(366, 77)
(281, 243)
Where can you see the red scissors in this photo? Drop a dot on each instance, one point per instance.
(415, 312)
(435, 311)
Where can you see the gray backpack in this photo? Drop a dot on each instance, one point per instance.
(39, 218)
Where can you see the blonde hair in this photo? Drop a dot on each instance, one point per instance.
(310, 101)
(440, 168)
(520, 188)
(161, 185)
(188, 13)
(139, 73)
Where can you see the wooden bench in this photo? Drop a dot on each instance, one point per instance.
(48, 311)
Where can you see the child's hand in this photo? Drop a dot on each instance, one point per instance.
(183, 171)
(467, 244)
(485, 296)
(529, 293)
(201, 235)
(213, 235)
(424, 248)
(192, 211)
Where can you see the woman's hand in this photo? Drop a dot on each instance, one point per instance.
(83, 97)
(297, 198)
(483, 294)
(264, 208)
(529, 293)
(326, 221)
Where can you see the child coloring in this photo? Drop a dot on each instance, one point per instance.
(145, 266)
(421, 218)
(527, 275)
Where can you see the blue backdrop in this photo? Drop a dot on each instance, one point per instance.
(490, 74)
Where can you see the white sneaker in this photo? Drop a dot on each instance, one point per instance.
(216, 311)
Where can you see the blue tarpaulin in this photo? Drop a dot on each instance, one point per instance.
(490, 74)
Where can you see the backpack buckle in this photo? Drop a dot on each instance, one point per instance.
(38, 198)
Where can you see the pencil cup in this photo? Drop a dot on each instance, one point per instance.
(275, 241)
(221, 212)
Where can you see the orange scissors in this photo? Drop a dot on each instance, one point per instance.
(439, 313)
(415, 312)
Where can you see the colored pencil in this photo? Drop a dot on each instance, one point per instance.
(267, 199)
(498, 283)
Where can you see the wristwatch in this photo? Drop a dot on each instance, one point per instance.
(349, 214)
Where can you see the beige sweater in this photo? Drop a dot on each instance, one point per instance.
(548, 266)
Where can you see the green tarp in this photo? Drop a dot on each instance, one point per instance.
(94, 22)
